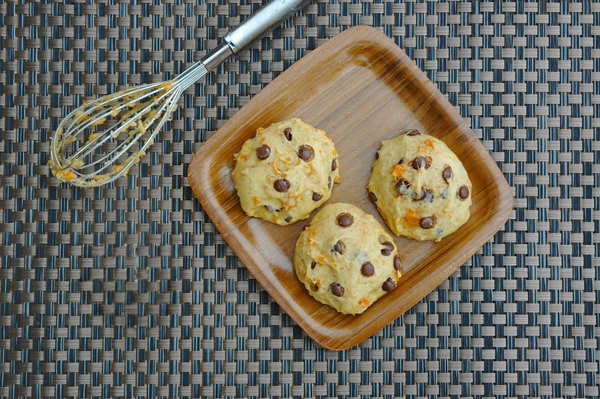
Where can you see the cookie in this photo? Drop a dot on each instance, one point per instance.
(285, 172)
(420, 187)
(346, 259)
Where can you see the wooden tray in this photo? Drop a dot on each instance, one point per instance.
(360, 88)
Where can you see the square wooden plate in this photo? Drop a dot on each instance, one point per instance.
(361, 88)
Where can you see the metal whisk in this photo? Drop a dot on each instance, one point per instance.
(94, 144)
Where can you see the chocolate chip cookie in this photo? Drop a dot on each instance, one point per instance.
(346, 259)
(285, 172)
(420, 187)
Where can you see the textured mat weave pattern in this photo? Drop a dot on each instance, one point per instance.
(129, 291)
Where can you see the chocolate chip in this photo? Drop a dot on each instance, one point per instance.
(344, 220)
(420, 196)
(281, 185)
(333, 165)
(288, 133)
(397, 263)
(427, 222)
(447, 173)
(388, 285)
(388, 248)
(367, 269)
(337, 289)
(329, 182)
(306, 153)
(316, 197)
(401, 183)
(421, 162)
(313, 264)
(413, 132)
(402, 186)
(372, 197)
(425, 194)
(269, 208)
(377, 155)
(401, 161)
(428, 196)
(263, 152)
(339, 247)
(288, 219)
(463, 192)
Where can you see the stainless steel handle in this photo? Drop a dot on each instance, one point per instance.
(266, 18)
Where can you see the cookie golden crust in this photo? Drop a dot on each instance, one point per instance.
(285, 172)
(420, 188)
(346, 259)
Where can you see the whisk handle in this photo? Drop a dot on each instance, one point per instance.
(266, 18)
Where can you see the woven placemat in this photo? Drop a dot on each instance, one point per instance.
(129, 291)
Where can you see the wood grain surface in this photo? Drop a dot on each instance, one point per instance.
(361, 88)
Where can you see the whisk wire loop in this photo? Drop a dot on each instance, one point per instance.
(138, 110)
